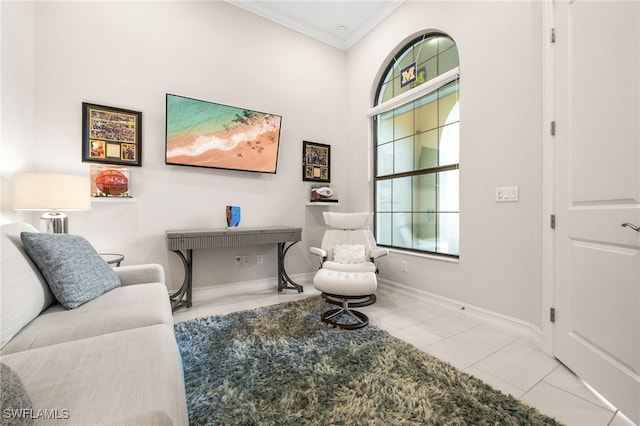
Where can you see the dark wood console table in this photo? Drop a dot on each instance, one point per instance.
(183, 242)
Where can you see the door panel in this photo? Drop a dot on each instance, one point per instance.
(592, 280)
(597, 261)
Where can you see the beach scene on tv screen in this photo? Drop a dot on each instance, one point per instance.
(207, 134)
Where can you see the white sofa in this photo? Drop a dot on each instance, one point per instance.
(112, 360)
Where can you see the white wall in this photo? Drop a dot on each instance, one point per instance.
(17, 106)
(500, 103)
(129, 55)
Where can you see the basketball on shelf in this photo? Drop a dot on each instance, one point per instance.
(112, 182)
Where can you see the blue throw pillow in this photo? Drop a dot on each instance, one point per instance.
(14, 400)
(71, 266)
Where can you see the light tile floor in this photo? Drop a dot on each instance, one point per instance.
(500, 356)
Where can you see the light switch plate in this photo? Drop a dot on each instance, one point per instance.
(507, 193)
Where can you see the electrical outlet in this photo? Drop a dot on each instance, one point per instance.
(259, 259)
(405, 266)
(238, 260)
(245, 260)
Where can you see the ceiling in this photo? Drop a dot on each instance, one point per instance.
(338, 23)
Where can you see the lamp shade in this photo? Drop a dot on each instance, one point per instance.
(45, 191)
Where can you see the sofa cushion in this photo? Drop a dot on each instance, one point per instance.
(349, 267)
(120, 309)
(23, 291)
(106, 377)
(73, 269)
(13, 397)
(155, 418)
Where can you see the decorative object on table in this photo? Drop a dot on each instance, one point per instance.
(233, 216)
(53, 193)
(208, 134)
(316, 162)
(323, 194)
(303, 372)
(111, 135)
(110, 181)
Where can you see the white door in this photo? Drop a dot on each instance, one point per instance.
(597, 260)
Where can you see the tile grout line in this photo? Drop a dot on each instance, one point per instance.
(560, 365)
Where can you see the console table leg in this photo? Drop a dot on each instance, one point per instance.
(284, 281)
(178, 298)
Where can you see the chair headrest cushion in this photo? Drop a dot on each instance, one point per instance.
(346, 220)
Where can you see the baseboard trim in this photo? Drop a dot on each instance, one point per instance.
(524, 328)
(240, 287)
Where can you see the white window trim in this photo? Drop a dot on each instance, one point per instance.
(416, 92)
(426, 254)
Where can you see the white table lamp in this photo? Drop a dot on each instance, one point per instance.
(51, 193)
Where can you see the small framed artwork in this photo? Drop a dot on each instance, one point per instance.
(316, 162)
(111, 135)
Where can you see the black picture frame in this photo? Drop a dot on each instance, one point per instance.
(111, 135)
(316, 162)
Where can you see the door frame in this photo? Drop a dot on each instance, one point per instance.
(548, 175)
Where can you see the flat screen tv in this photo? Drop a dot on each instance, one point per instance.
(207, 134)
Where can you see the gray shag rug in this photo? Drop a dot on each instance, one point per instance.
(279, 365)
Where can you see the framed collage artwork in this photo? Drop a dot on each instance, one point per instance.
(111, 135)
(316, 162)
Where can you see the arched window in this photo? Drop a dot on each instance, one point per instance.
(416, 121)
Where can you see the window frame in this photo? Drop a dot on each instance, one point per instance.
(429, 87)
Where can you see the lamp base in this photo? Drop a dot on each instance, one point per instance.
(54, 222)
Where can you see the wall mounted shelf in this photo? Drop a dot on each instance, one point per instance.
(113, 200)
(320, 203)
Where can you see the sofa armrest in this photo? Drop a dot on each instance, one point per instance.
(140, 274)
